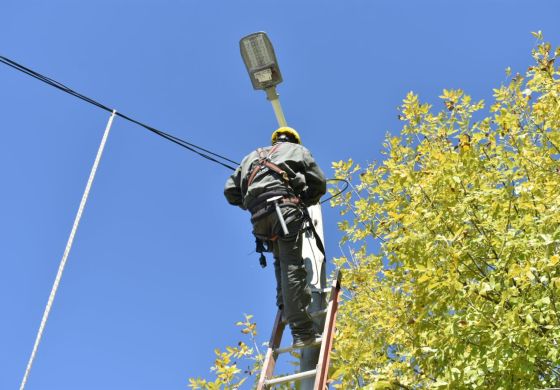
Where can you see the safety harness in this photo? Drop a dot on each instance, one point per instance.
(264, 162)
(259, 207)
(262, 246)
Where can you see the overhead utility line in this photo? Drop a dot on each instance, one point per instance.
(205, 153)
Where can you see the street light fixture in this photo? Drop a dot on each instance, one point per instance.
(261, 63)
(260, 60)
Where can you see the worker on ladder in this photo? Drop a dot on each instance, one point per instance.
(276, 184)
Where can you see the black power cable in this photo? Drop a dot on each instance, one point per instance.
(346, 182)
(205, 153)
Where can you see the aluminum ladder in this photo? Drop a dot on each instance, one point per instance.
(320, 373)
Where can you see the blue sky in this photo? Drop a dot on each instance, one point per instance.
(162, 267)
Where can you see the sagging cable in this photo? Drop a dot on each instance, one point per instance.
(202, 152)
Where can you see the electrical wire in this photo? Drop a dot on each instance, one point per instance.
(339, 192)
(202, 152)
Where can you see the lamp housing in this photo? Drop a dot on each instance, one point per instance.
(260, 60)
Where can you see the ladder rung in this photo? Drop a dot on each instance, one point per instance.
(290, 378)
(317, 341)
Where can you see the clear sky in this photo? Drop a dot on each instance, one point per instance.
(162, 267)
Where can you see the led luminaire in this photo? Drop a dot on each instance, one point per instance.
(259, 58)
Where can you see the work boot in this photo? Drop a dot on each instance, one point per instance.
(306, 340)
(304, 335)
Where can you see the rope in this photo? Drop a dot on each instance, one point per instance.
(67, 251)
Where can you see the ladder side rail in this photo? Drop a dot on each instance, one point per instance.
(328, 336)
(324, 361)
(271, 354)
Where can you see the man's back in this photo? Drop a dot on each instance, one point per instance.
(251, 181)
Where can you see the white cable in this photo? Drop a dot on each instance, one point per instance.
(67, 251)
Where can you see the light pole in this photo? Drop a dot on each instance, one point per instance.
(261, 63)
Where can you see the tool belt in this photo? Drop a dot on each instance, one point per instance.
(260, 208)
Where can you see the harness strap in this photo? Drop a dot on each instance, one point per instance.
(277, 169)
(264, 161)
(263, 208)
(318, 240)
(256, 169)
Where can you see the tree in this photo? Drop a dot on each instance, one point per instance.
(454, 279)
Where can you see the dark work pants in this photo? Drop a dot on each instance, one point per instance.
(292, 290)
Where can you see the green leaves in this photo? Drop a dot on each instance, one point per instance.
(456, 282)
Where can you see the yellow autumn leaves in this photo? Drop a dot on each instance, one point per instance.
(454, 277)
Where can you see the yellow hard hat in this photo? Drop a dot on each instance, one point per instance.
(286, 130)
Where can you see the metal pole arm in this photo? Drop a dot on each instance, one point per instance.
(272, 96)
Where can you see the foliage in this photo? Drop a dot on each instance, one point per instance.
(454, 277)
(228, 374)
(226, 369)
